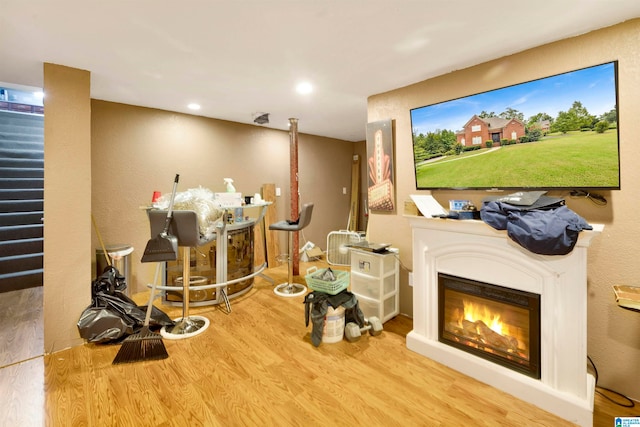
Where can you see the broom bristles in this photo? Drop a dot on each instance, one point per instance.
(144, 345)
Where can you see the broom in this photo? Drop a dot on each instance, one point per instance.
(145, 344)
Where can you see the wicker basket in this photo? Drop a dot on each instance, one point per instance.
(330, 287)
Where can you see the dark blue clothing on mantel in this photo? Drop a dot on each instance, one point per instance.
(544, 231)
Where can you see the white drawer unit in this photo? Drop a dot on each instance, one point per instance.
(384, 310)
(375, 281)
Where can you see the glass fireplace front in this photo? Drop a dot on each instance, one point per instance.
(496, 323)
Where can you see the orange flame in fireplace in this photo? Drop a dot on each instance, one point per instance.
(474, 312)
(479, 317)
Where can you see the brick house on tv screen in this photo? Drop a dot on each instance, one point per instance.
(477, 130)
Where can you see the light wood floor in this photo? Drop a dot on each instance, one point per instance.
(257, 367)
(21, 331)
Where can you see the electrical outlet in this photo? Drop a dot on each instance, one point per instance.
(344, 190)
(411, 279)
(278, 192)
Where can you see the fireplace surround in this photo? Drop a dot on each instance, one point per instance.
(472, 250)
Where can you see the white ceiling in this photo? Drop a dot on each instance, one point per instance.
(239, 57)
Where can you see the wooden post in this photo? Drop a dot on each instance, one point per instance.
(293, 183)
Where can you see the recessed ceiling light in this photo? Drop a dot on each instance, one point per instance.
(304, 88)
(193, 106)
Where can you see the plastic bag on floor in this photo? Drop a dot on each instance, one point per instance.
(112, 315)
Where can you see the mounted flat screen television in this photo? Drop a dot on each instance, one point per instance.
(558, 132)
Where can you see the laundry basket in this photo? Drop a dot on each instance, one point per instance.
(334, 287)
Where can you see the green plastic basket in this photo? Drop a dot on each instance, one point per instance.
(330, 287)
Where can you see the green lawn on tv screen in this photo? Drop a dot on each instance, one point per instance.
(572, 160)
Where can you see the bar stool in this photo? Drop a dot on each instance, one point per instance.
(290, 289)
(184, 226)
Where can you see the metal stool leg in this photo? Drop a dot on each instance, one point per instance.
(290, 289)
(186, 326)
(225, 298)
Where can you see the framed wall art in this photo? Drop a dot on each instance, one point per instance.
(380, 192)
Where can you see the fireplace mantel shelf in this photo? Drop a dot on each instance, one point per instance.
(473, 250)
(478, 227)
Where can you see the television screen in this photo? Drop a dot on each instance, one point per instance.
(558, 132)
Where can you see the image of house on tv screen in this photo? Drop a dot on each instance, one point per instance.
(558, 132)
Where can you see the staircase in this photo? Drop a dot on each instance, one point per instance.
(21, 200)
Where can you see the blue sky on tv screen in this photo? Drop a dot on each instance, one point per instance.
(594, 87)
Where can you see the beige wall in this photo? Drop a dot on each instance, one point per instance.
(613, 333)
(136, 151)
(67, 203)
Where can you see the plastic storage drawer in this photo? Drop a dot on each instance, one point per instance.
(372, 264)
(384, 310)
(370, 287)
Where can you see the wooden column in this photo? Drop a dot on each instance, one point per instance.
(293, 191)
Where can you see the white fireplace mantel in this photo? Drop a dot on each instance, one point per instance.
(472, 249)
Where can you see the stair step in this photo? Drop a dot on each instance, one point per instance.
(18, 263)
(13, 118)
(17, 232)
(21, 119)
(15, 162)
(18, 137)
(21, 280)
(12, 148)
(8, 183)
(24, 151)
(21, 218)
(22, 172)
(13, 139)
(21, 205)
(21, 194)
(21, 247)
(21, 129)
(8, 146)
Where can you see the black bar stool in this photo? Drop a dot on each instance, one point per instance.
(184, 226)
(290, 289)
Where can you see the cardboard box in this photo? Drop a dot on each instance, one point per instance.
(311, 254)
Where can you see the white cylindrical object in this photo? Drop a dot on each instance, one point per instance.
(333, 330)
(120, 259)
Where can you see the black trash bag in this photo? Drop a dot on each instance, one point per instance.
(103, 323)
(112, 315)
(109, 281)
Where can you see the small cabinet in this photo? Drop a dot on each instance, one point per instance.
(374, 280)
